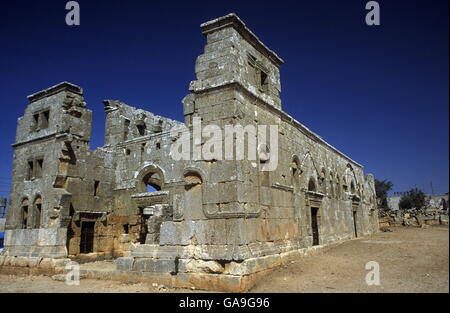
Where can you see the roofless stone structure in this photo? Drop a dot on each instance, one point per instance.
(210, 223)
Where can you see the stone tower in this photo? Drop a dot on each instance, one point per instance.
(55, 127)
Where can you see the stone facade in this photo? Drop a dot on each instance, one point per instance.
(213, 222)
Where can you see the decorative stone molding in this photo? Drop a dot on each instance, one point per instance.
(64, 86)
(230, 210)
(283, 187)
(146, 199)
(314, 199)
(89, 216)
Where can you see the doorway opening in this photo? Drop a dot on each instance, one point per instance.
(87, 237)
(315, 226)
(144, 226)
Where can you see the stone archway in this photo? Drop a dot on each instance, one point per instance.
(152, 176)
(152, 203)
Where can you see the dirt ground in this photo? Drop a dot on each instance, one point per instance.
(410, 260)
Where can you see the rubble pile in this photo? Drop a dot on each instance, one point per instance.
(414, 217)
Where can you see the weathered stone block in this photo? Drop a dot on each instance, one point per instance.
(9, 261)
(259, 249)
(61, 262)
(154, 265)
(221, 252)
(21, 237)
(52, 236)
(176, 233)
(20, 261)
(34, 261)
(195, 266)
(246, 267)
(158, 252)
(124, 264)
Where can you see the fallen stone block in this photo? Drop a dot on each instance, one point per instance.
(192, 266)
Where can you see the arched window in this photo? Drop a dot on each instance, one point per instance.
(37, 212)
(331, 185)
(338, 186)
(24, 213)
(295, 172)
(352, 187)
(152, 188)
(150, 178)
(344, 184)
(312, 185)
(323, 181)
(295, 177)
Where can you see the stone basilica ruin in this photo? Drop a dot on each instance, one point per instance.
(212, 224)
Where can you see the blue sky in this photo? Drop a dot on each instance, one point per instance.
(379, 94)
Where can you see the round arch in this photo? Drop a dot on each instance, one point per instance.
(151, 175)
(193, 171)
(24, 212)
(308, 156)
(295, 170)
(37, 211)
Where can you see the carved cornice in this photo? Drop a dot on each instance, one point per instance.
(151, 198)
(314, 199)
(64, 86)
